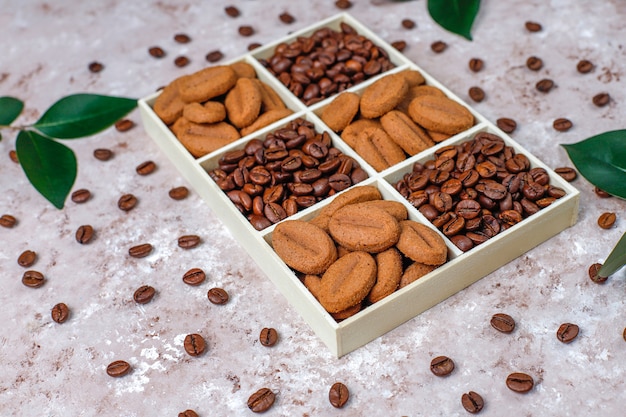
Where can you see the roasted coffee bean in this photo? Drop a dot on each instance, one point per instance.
(232, 11)
(472, 402)
(503, 323)
(246, 30)
(534, 63)
(438, 46)
(178, 193)
(103, 154)
(144, 294)
(601, 193)
(268, 336)
(462, 242)
(145, 168)
(441, 366)
(13, 156)
(188, 413)
(182, 38)
(84, 234)
(195, 276)
(95, 66)
(286, 18)
(217, 296)
(584, 66)
(338, 395)
(156, 52)
(343, 4)
(80, 196)
(533, 26)
(27, 258)
(127, 202)
(408, 23)
(124, 125)
(214, 56)
(567, 332)
(194, 344)
(562, 124)
(477, 94)
(601, 99)
(520, 382)
(261, 401)
(544, 85)
(140, 251)
(607, 220)
(33, 279)
(60, 313)
(624, 334)
(189, 241)
(567, 173)
(476, 64)
(506, 124)
(118, 368)
(399, 45)
(593, 274)
(181, 61)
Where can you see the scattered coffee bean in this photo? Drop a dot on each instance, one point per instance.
(442, 366)
(103, 154)
(156, 52)
(182, 38)
(533, 26)
(84, 234)
(601, 99)
(624, 334)
(408, 23)
(194, 344)
(338, 395)
(195, 276)
(144, 294)
(246, 30)
(145, 168)
(534, 64)
(27, 258)
(214, 56)
(584, 66)
(286, 18)
(217, 296)
(127, 202)
(232, 11)
(343, 4)
(562, 124)
(438, 46)
(33, 279)
(118, 368)
(544, 85)
(13, 156)
(503, 322)
(188, 413)
(268, 336)
(601, 193)
(399, 45)
(96, 67)
(253, 46)
(520, 382)
(607, 220)
(472, 402)
(189, 241)
(506, 124)
(181, 61)
(178, 193)
(476, 64)
(60, 313)
(567, 332)
(261, 401)
(477, 94)
(140, 251)
(8, 221)
(124, 125)
(80, 196)
(593, 273)
(567, 173)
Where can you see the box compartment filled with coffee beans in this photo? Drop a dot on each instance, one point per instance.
(356, 245)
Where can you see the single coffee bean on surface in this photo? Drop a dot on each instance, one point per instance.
(80, 196)
(438, 46)
(338, 395)
(567, 332)
(562, 124)
(534, 63)
(343, 4)
(144, 294)
(261, 401)
(178, 193)
(503, 322)
(124, 125)
(182, 38)
(145, 168)
(268, 336)
(246, 30)
(520, 382)
(286, 18)
(476, 64)
(567, 173)
(232, 11)
(214, 56)
(601, 193)
(60, 312)
(194, 344)
(533, 26)
(140, 251)
(624, 334)
(127, 202)
(193, 277)
(601, 99)
(408, 23)
(218, 296)
(188, 413)
(607, 220)
(118, 368)
(544, 85)
(84, 234)
(584, 66)
(593, 273)
(33, 279)
(8, 221)
(477, 94)
(442, 366)
(27, 258)
(103, 154)
(181, 61)
(189, 241)
(156, 52)
(399, 45)
(253, 46)
(13, 156)
(507, 125)
(472, 402)
(96, 66)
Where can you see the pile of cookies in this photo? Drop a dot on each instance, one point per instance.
(358, 250)
(217, 105)
(396, 116)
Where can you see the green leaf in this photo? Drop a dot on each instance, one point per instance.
(601, 159)
(49, 165)
(456, 16)
(82, 115)
(10, 108)
(616, 259)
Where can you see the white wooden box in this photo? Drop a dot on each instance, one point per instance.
(460, 271)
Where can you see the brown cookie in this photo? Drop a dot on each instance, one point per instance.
(312, 283)
(414, 272)
(348, 312)
(377, 148)
(438, 136)
(304, 246)
(395, 208)
(210, 112)
(413, 77)
(243, 102)
(201, 139)
(364, 228)
(347, 281)
(389, 273)
(243, 69)
(340, 112)
(352, 131)
(207, 83)
(416, 91)
(404, 132)
(440, 114)
(383, 95)
(169, 104)
(270, 100)
(421, 243)
(351, 196)
(266, 119)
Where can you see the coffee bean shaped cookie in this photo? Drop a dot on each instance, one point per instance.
(395, 208)
(360, 228)
(389, 273)
(383, 95)
(243, 102)
(404, 132)
(414, 272)
(416, 91)
(352, 131)
(207, 83)
(440, 114)
(169, 104)
(351, 196)
(210, 112)
(304, 246)
(340, 112)
(421, 243)
(201, 139)
(377, 148)
(266, 119)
